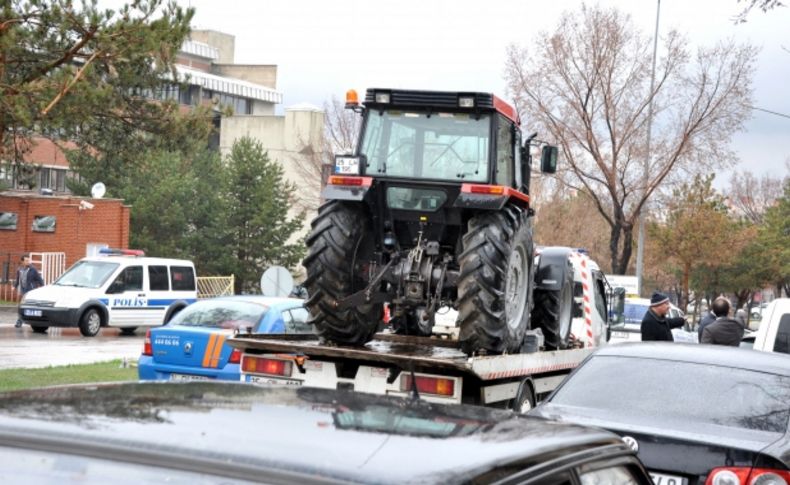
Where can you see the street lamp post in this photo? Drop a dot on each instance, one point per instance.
(640, 249)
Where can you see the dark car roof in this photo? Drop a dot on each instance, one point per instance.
(254, 430)
(719, 355)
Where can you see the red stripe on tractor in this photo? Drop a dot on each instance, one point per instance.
(507, 110)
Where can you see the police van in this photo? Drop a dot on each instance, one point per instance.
(121, 288)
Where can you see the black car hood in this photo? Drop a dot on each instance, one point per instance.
(689, 449)
(341, 435)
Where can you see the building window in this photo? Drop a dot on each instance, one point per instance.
(8, 221)
(44, 182)
(44, 224)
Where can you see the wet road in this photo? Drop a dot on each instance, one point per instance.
(20, 347)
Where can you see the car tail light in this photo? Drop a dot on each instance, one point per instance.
(235, 357)
(147, 349)
(439, 386)
(262, 365)
(747, 476)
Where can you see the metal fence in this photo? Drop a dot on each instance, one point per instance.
(50, 265)
(211, 286)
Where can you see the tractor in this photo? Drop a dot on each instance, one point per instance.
(432, 210)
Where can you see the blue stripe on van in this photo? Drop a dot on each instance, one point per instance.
(157, 303)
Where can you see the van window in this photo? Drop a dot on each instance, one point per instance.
(182, 278)
(782, 343)
(130, 279)
(157, 278)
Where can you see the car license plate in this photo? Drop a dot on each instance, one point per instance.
(663, 479)
(32, 313)
(272, 380)
(188, 377)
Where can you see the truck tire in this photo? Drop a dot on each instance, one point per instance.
(339, 238)
(553, 312)
(90, 323)
(496, 281)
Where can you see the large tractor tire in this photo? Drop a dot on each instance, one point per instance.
(553, 311)
(336, 251)
(495, 283)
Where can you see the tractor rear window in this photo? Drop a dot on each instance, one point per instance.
(415, 199)
(442, 146)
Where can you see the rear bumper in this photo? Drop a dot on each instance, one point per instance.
(49, 317)
(148, 370)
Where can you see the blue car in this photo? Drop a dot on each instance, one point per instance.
(192, 345)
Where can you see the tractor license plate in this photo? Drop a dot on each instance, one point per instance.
(32, 313)
(662, 479)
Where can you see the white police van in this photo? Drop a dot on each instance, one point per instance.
(122, 289)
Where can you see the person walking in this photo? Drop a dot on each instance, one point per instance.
(655, 324)
(724, 330)
(27, 278)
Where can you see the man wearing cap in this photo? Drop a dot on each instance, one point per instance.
(655, 324)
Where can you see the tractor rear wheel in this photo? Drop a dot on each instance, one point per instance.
(554, 312)
(495, 283)
(337, 250)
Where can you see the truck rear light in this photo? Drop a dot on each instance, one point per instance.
(235, 357)
(355, 181)
(428, 385)
(747, 476)
(147, 349)
(262, 365)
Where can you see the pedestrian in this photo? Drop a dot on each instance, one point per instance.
(724, 330)
(27, 278)
(655, 324)
(706, 320)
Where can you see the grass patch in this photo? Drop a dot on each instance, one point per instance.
(13, 379)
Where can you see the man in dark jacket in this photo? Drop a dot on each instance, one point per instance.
(655, 324)
(27, 278)
(709, 317)
(725, 330)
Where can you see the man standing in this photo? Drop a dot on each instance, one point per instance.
(725, 330)
(27, 278)
(707, 319)
(655, 324)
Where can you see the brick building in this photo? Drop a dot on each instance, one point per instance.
(76, 226)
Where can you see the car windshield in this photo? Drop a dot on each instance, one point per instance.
(448, 146)
(634, 312)
(656, 391)
(221, 314)
(87, 274)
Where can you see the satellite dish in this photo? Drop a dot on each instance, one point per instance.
(277, 281)
(98, 190)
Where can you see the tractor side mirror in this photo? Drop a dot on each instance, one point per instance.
(548, 159)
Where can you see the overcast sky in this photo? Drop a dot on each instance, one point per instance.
(323, 48)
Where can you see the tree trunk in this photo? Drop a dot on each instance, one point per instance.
(683, 303)
(621, 258)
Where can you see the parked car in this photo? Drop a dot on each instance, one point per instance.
(695, 414)
(192, 345)
(122, 290)
(221, 432)
(628, 327)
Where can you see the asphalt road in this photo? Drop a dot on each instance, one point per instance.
(20, 347)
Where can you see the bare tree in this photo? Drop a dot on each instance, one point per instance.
(587, 87)
(764, 5)
(751, 196)
(341, 128)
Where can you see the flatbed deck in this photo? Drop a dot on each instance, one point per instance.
(407, 352)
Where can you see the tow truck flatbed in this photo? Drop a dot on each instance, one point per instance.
(408, 352)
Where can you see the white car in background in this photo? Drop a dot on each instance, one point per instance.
(629, 328)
